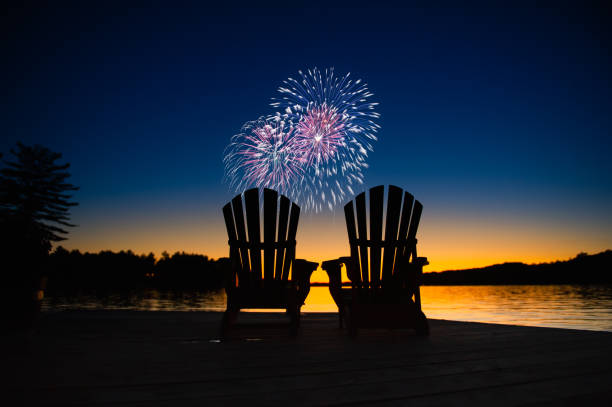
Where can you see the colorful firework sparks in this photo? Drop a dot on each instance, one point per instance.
(319, 134)
(262, 155)
(315, 148)
(335, 130)
(341, 95)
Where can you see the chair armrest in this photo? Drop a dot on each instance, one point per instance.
(421, 261)
(411, 272)
(302, 271)
(334, 271)
(417, 264)
(333, 268)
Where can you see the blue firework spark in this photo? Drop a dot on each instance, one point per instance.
(335, 129)
(314, 149)
(263, 155)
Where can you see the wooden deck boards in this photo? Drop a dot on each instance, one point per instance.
(171, 359)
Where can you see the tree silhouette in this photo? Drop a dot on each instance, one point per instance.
(34, 212)
(34, 199)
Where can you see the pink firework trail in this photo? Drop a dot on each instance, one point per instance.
(263, 155)
(314, 148)
(336, 126)
(319, 134)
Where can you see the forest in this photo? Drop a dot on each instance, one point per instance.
(69, 270)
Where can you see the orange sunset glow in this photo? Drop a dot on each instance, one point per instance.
(449, 243)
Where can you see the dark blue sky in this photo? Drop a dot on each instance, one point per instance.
(489, 112)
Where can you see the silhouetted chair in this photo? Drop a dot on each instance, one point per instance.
(248, 286)
(384, 272)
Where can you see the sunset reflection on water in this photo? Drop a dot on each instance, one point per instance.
(561, 306)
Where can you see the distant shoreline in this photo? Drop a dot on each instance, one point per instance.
(582, 269)
(125, 270)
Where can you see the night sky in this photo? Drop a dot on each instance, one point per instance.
(497, 119)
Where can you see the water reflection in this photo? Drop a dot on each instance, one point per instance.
(138, 300)
(562, 306)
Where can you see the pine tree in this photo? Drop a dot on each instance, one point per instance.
(34, 200)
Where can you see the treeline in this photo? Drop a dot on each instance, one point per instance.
(583, 269)
(69, 270)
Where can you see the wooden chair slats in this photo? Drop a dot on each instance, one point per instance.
(270, 204)
(362, 228)
(403, 230)
(231, 233)
(399, 241)
(283, 217)
(251, 203)
(293, 224)
(228, 216)
(394, 202)
(349, 215)
(245, 272)
(414, 225)
(280, 218)
(415, 219)
(252, 284)
(382, 286)
(376, 221)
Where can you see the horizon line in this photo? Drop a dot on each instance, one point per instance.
(157, 259)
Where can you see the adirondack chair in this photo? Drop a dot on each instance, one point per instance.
(384, 272)
(250, 285)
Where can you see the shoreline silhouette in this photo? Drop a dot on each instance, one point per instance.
(71, 270)
(582, 269)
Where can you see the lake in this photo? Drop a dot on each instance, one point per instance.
(560, 306)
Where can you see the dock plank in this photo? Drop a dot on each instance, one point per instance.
(173, 358)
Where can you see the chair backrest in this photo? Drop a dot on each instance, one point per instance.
(245, 243)
(399, 242)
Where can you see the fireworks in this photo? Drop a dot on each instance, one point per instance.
(315, 147)
(341, 96)
(319, 134)
(263, 154)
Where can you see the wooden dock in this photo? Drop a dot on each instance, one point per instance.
(150, 359)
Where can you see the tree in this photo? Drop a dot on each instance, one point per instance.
(34, 201)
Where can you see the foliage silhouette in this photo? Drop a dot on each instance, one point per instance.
(34, 202)
(71, 271)
(34, 212)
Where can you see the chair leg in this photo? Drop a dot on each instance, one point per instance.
(422, 326)
(229, 317)
(344, 312)
(294, 315)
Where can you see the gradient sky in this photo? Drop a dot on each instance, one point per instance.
(497, 119)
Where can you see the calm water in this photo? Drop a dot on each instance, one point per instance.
(561, 306)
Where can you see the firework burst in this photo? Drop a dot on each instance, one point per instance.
(336, 126)
(319, 134)
(262, 155)
(314, 149)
